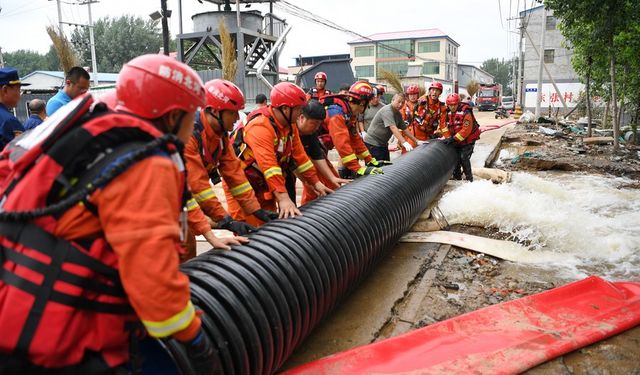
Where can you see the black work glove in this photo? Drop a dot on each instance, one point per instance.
(238, 227)
(201, 354)
(265, 215)
(448, 141)
(378, 163)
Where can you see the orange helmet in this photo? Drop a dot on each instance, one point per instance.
(223, 95)
(361, 90)
(412, 89)
(436, 85)
(453, 99)
(287, 94)
(152, 85)
(320, 75)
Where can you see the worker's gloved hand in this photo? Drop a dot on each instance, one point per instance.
(238, 227)
(363, 171)
(378, 163)
(407, 146)
(448, 141)
(265, 215)
(201, 353)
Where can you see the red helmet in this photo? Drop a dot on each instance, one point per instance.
(222, 94)
(287, 94)
(453, 99)
(320, 75)
(361, 90)
(380, 89)
(152, 85)
(412, 89)
(436, 85)
(109, 98)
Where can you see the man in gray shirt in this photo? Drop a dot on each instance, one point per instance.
(375, 104)
(387, 122)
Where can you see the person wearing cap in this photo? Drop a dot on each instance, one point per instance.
(37, 108)
(10, 93)
(76, 83)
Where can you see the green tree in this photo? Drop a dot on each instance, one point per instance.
(502, 72)
(26, 61)
(117, 41)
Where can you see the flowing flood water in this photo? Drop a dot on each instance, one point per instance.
(592, 221)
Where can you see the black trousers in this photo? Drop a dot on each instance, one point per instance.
(463, 164)
(91, 364)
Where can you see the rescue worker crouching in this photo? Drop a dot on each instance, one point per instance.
(461, 132)
(312, 117)
(116, 252)
(270, 147)
(209, 156)
(340, 131)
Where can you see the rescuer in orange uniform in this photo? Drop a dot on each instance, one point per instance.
(319, 90)
(434, 115)
(209, 155)
(462, 131)
(116, 251)
(340, 131)
(270, 147)
(413, 114)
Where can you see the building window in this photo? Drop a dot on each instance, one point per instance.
(551, 23)
(428, 47)
(398, 67)
(395, 48)
(432, 68)
(548, 56)
(364, 71)
(364, 51)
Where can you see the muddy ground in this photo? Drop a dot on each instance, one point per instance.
(465, 281)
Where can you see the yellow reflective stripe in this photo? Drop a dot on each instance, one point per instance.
(204, 195)
(192, 204)
(304, 167)
(459, 137)
(240, 189)
(349, 158)
(172, 325)
(363, 155)
(272, 172)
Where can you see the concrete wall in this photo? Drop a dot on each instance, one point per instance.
(561, 69)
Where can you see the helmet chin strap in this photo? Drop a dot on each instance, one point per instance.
(288, 118)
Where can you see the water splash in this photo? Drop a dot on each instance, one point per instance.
(594, 220)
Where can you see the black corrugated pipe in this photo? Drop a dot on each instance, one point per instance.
(260, 300)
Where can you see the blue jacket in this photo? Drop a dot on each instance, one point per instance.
(32, 122)
(10, 126)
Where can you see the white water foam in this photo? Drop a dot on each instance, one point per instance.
(593, 220)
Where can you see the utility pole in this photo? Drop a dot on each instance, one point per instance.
(543, 25)
(165, 27)
(59, 16)
(94, 63)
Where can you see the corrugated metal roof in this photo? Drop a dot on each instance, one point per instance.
(413, 34)
(106, 77)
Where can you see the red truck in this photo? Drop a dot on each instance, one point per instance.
(489, 96)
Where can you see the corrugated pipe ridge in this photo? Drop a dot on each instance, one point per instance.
(262, 299)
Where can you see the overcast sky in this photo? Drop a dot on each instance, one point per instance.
(481, 27)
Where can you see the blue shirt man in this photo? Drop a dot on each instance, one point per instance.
(76, 83)
(32, 122)
(9, 98)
